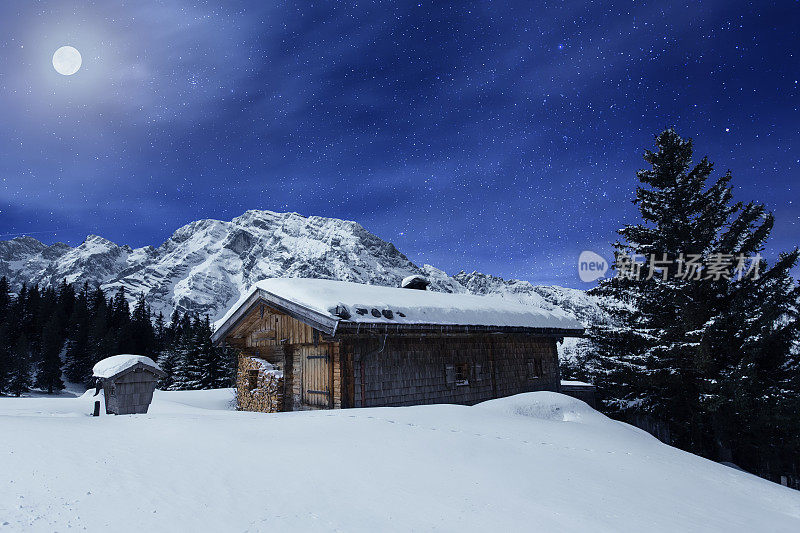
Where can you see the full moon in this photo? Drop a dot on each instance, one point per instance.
(67, 60)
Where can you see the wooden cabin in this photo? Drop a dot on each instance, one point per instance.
(321, 344)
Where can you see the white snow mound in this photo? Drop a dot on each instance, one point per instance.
(542, 405)
(117, 363)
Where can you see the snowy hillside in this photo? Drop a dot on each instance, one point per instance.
(538, 461)
(205, 266)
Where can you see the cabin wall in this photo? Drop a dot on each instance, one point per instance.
(265, 327)
(287, 343)
(129, 393)
(423, 370)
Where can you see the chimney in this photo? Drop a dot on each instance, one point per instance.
(415, 282)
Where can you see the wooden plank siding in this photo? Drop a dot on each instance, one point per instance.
(287, 343)
(130, 393)
(422, 370)
(265, 327)
(315, 362)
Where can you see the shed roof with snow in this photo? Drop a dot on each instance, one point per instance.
(116, 365)
(328, 305)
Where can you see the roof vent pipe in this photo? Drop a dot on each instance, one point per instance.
(415, 282)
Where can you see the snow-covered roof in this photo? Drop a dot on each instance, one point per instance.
(334, 302)
(111, 366)
(574, 383)
(415, 281)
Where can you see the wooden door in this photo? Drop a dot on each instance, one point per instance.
(316, 376)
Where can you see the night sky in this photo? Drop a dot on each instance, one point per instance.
(494, 136)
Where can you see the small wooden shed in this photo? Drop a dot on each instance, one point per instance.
(128, 382)
(334, 344)
(580, 390)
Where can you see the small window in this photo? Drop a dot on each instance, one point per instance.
(252, 377)
(535, 368)
(462, 373)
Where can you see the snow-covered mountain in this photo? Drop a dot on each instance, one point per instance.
(206, 265)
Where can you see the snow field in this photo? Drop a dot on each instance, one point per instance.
(538, 461)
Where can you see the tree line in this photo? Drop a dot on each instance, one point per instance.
(49, 335)
(711, 363)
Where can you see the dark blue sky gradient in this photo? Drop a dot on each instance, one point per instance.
(494, 136)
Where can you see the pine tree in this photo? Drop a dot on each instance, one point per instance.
(174, 326)
(214, 361)
(77, 358)
(170, 354)
(5, 334)
(5, 299)
(121, 338)
(48, 375)
(66, 303)
(169, 361)
(102, 335)
(19, 379)
(142, 337)
(711, 358)
(31, 324)
(159, 333)
(754, 386)
(189, 375)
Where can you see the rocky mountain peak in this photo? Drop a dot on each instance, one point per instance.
(207, 264)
